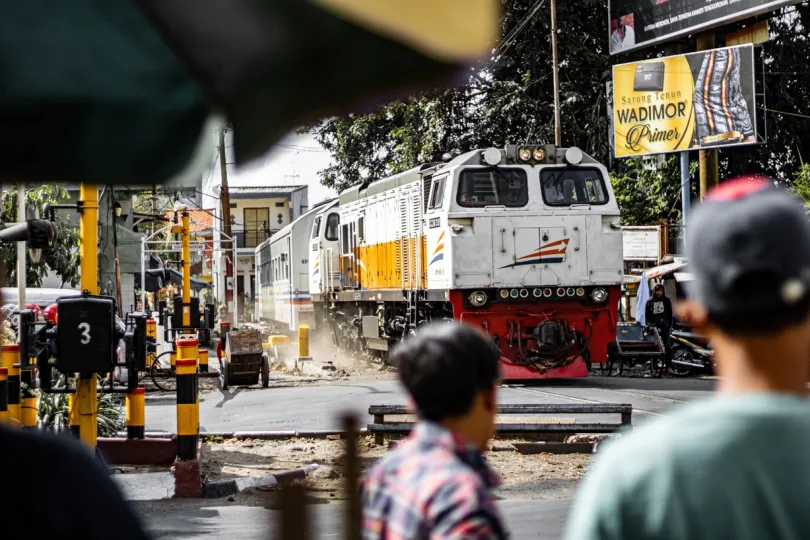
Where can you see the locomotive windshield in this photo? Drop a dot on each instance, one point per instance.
(493, 186)
(564, 187)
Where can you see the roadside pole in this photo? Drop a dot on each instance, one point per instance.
(88, 252)
(709, 159)
(686, 192)
(21, 270)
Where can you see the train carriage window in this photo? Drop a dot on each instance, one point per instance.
(361, 228)
(344, 239)
(332, 223)
(493, 186)
(564, 187)
(437, 193)
(316, 227)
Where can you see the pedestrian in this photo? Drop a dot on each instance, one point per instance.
(735, 465)
(436, 484)
(658, 313)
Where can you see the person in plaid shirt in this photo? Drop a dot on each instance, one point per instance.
(436, 484)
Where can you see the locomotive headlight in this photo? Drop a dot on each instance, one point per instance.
(539, 154)
(560, 292)
(538, 293)
(478, 298)
(599, 295)
(524, 293)
(547, 293)
(514, 293)
(525, 154)
(504, 294)
(580, 292)
(570, 292)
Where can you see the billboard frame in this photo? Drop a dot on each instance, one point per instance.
(754, 96)
(708, 25)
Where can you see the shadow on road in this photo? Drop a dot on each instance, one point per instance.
(227, 396)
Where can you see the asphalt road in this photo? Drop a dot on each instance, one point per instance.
(318, 407)
(537, 519)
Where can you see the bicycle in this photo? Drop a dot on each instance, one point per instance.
(162, 372)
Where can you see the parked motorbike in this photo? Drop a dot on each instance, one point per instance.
(691, 354)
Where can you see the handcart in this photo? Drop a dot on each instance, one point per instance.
(244, 360)
(635, 345)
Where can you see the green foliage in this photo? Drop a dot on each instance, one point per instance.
(800, 184)
(54, 414)
(63, 259)
(650, 191)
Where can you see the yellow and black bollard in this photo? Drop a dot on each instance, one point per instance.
(173, 356)
(136, 414)
(9, 356)
(189, 348)
(203, 360)
(3, 395)
(73, 415)
(187, 408)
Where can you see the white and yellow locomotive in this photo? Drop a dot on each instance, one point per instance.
(523, 243)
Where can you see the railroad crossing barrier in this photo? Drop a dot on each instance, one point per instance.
(380, 427)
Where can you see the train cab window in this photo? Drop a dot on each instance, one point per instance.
(437, 193)
(332, 224)
(493, 186)
(564, 187)
(316, 227)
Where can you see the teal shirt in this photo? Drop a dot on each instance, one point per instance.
(731, 467)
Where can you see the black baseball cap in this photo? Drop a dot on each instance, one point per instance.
(748, 246)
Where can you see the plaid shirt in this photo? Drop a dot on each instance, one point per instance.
(431, 486)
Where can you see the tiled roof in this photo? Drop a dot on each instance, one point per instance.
(200, 219)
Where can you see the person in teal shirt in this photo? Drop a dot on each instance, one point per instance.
(737, 465)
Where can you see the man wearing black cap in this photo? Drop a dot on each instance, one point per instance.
(734, 466)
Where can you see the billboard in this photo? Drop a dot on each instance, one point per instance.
(686, 102)
(639, 23)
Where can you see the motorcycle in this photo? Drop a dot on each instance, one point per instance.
(691, 354)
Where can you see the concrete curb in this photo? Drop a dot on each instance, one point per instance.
(224, 488)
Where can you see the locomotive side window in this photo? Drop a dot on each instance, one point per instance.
(316, 227)
(493, 186)
(564, 187)
(332, 223)
(437, 194)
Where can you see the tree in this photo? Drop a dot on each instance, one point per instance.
(509, 101)
(63, 259)
(650, 191)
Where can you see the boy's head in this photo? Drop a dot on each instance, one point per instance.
(450, 371)
(748, 246)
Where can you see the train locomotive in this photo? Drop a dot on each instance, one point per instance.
(522, 242)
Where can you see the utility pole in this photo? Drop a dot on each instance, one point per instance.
(708, 159)
(117, 261)
(21, 270)
(556, 70)
(225, 201)
(88, 252)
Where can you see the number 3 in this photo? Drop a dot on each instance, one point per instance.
(84, 328)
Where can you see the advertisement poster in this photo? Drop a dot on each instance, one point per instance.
(639, 23)
(685, 102)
